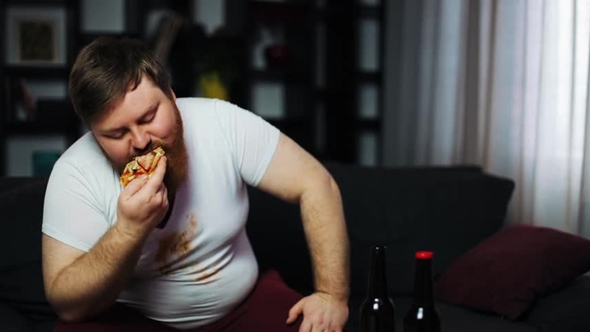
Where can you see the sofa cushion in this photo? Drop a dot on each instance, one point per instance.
(22, 289)
(407, 209)
(12, 182)
(565, 310)
(278, 240)
(21, 280)
(453, 318)
(45, 326)
(13, 321)
(22, 215)
(507, 272)
(445, 210)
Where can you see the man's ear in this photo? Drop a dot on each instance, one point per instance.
(173, 95)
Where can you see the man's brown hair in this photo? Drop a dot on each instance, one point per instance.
(106, 69)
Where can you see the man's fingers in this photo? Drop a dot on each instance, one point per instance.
(134, 186)
(155, 180)
(317, 329)
(294, 312)
(305, 326)
(164, 192)
(160, 170)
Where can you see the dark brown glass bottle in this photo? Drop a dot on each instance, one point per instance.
(377, 311)
(423, 315)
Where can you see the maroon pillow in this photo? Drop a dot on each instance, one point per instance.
(508, 271)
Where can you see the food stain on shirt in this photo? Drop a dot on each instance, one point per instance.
(207, 275)
(193, 220)
(175, 244)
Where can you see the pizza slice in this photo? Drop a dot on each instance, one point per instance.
(140, 165)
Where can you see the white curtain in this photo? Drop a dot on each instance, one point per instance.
(498, 83)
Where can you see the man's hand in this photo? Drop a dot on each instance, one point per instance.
(321, 313)
(143, 203)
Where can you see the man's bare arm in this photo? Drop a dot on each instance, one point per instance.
(78, 284)
(92, 281)
(325, 229)
(295, 176)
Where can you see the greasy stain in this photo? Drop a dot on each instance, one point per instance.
(207, 275)
(193, 221)
(175, 244)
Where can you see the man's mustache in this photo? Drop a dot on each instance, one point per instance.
(152, 146)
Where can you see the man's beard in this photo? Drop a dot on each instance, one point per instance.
(176, 157)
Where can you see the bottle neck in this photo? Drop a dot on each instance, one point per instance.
(423, 294)
(378, 275)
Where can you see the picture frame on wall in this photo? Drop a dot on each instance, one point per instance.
(36, 36)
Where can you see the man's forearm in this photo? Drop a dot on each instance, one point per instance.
(325, 228)
(93, 282)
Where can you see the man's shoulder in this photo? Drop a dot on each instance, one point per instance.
(83, 149)
(85, 154)
(189, 106)
(202, 115)
(195, 104)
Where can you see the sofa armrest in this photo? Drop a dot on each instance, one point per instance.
(9, 183)
(13, 321)
(565, 310)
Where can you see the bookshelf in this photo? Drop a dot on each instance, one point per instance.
(36, 54)
(325, 83)
(27, 114)
(321, 87)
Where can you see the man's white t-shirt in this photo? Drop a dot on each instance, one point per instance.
(200, 266)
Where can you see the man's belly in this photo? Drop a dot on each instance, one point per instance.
(196, 294)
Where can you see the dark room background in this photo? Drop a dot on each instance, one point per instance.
(312, 68)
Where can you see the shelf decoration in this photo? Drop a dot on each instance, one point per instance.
(19, 101)
(43, 162)
(195, 59)
(36, 36)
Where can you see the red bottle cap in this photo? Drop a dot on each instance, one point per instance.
(424, 255)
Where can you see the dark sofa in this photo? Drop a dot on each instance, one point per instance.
(444, 209)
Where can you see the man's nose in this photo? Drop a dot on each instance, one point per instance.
(141, 140)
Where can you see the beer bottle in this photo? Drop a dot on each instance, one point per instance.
(423, 315)
(377, 311)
